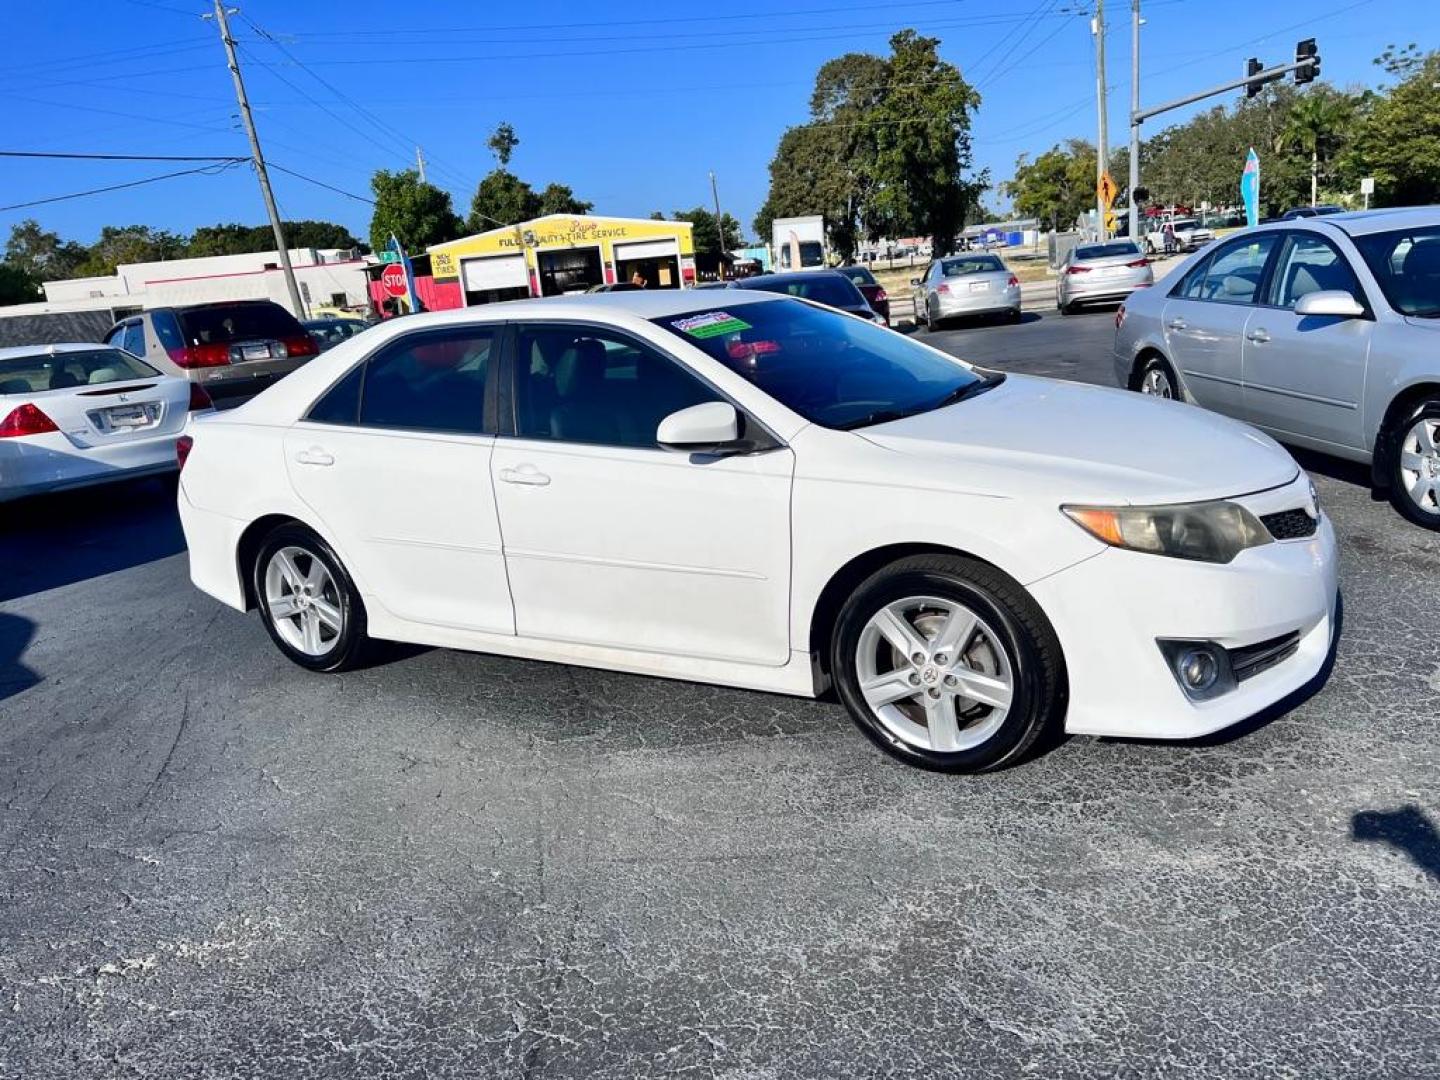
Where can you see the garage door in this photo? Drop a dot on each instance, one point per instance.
(494, 272)
(650, 249)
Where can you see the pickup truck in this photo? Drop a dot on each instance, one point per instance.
(1189, 235)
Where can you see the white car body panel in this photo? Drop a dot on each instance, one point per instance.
(686, 566)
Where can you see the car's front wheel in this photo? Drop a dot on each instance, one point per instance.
(946, 663)
(310, 607)
(1415, 465)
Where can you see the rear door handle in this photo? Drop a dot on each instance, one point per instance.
(525, 474)
(315, 456)
(1259, 335)
(1176, 324)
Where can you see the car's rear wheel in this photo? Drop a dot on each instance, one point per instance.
(1415, 465)
(946, 663)
(1157, 379)
(310, 607)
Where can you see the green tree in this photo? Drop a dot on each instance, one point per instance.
(706, 236)
(419, 214)
(1316, 124)
(559, 199)
(502, 143)
(41, 255)
(17, 286)
(1398, 141)
(1057, 187)
(123, 244)
(501, 198)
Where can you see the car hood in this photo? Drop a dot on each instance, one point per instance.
(1061, 440)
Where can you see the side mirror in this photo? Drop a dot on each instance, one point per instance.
(711, 425)
(914, 281)
(1330, 302)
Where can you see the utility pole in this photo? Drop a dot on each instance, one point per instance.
(256, 157)
(1102, 144)
(420, 161)
(719, 225)
(1134, 180)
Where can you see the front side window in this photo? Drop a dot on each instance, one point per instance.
(1406, 263)
(1309, 264)
(588, 385)
(426, 382)
(830, 368)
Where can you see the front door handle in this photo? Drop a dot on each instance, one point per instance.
(316, 455)
(525, 474)
(1176, 324)
(1259, 335)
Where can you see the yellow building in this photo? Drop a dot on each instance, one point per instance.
(563, 253)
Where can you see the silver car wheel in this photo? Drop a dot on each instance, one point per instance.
(1156, 383)
(1420, 464)
(934, 674)
(302, 601)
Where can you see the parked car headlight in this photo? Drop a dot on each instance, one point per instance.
(1206, 532)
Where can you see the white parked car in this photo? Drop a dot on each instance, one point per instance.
(75, 414)
(755, 490)
(1319, 331)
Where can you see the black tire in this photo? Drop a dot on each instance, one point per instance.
(1397, 482)
(348, 648)
(1068, 309)
(1029, 642)
(1160, 368)
(1013, 316)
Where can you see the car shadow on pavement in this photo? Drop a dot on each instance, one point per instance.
(51, 540)
(1408, 830)
(16, 634)
(1347, 472)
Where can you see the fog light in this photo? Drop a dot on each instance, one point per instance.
(1198, 669)
(1202, 668)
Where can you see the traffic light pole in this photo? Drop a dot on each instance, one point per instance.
(1134, 181)
(1138, 115)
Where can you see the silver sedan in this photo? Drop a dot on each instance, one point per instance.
(1101, 273)
(956, 285)
(1322, 332)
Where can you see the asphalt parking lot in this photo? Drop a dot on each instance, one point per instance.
(215, 864)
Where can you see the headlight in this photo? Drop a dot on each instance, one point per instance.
(1206, 532)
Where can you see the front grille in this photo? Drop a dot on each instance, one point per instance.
(1294, 524)
(1251, 660)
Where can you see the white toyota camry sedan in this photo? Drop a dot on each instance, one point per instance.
(753, 490)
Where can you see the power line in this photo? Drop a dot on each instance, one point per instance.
(117, 157)
(321, 183)
(213, 170)
(165, 7)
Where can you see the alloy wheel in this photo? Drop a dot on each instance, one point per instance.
(1156, 383)
(1420, 464)
(934, 674)
(303, 601)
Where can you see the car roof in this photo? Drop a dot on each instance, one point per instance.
(1362, 222)
(645, 304)
(798, 275)
(14, 351)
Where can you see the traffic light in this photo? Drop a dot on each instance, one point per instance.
(1306, 50)
(1253, 67)
(1140, 195)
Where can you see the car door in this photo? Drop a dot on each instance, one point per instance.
(1305, 376)
(1206, 315)
(611, 540)
(395, 461)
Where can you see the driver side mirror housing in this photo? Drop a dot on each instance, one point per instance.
(1336, 302)
(914, 281)
(710, 427)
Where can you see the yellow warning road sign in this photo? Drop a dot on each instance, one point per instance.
(1107, 190)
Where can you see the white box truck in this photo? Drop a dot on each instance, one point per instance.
(798, 243)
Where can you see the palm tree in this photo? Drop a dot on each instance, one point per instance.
(1313, 121)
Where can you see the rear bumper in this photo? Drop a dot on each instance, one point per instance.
(233, 385)
(43, 463)
(968, 303)
(1110, 610)
(1115, 289)
(212, 541)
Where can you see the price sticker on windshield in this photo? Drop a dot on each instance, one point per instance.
(711, 324)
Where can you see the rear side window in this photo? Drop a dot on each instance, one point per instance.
(167, 329)
(341, 403)
(429, 382)
(134, 339)
(223, 324)
(1232, 274)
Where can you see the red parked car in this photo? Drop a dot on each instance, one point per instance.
(874, 292)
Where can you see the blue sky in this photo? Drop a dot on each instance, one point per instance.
(631, 103)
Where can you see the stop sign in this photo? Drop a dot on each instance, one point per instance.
(392, 280)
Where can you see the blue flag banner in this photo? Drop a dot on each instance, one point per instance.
(1250, 188)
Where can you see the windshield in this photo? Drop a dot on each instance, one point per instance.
(37, 372)
(1105, 251)
(226, 323)
(1406, 263)
(858, 274)
(833, 289)
(832, 369)
(971, 264)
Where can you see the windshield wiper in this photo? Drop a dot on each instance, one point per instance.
(880, 416)
(969, 390)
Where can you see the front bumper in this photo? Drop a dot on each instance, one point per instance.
(1110, 610)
